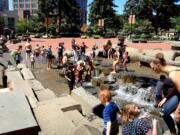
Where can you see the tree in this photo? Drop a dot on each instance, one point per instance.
(142, 28)
(23, 26)
(103, 9)
(158, 12)
(63, 11)
(2, 24)
(176, 23)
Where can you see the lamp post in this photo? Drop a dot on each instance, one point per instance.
(131, 16)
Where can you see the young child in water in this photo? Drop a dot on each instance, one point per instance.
(32, 59)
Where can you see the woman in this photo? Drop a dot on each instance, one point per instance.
(60, 50)
(17, 55)
(116, 62)
(28, 49)
(132, 125)
(89, 70)
(80, 71)
(37, 51)
(126, 59)
(159, 65)
(49, 57)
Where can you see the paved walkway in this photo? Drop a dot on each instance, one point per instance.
(90, 42)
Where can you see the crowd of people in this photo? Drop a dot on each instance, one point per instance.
(79, 68)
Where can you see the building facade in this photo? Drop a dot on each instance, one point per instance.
(25, 7)
(4, 5)
(83, 10)
(10, 17)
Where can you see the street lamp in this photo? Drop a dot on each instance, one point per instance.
(132, 17)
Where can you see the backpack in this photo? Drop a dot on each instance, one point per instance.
(49, 52)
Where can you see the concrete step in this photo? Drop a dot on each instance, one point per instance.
(27, 74)
(14, 75)
(23, 86)
(45, 94)
(35, 85)
(66, 103)
(16, 117)
(87, 130)
(52, 121)
(76, 118)
(86, 100)
(21, 66)
(97, 122)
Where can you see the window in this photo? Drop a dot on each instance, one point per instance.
(33, 5)
(15, 1)
(15, 6)
(27, 5)
(21, 1)
(21, 5)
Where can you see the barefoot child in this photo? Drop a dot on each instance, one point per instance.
(32, 59)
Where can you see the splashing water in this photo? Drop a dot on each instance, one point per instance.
(131, 93)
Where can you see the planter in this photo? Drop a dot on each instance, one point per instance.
(135, 41)
(143, 41)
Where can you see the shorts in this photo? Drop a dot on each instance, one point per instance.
(49, 56)
(114, 132)
(28, 51)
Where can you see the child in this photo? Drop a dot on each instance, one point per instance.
(70, 76)
(126, 59)
(32, 59)
(109, 113)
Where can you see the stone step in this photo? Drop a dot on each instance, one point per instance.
(52, 121)
(87, 130)
(4, 90)
(8, 57)
(27, 74)
(23, 86)
(76, 118)
(14, 75)
(86, 100)
(21, 66)
(16, 117)
(35, 85)
(45, 94)
(97, 122)
(66, 103)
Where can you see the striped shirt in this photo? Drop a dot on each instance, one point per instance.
(110, 115)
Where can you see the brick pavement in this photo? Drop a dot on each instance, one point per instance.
(90, 42)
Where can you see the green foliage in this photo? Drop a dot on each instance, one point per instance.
(104, 9)
(142, 29)
(52, 29)
(158, 12)
(66, 12)
(145, 36)
(176, 23)
(23, 26)
(96, 36)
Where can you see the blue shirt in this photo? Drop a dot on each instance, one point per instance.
(110, 114)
